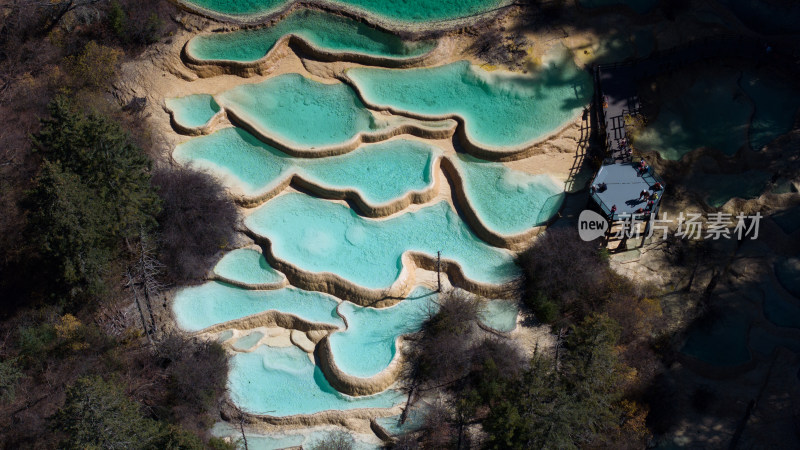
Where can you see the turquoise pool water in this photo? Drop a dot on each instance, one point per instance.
(413, 11)
(788, 220)
(414, 420)
(247, 266)
(766, 17)
(640, 6)
(779, 311)
(329, 32)
(299, 111)
(722, 343)
(788, 273)
(246, 342)
(717, 188)
(192, 111)
(321, 236)
(200, 307)
(776, 103)
(712, 113)
(500, 315)
(284, 381)
(499, 108)
(368, 345)
(379, 172)
(765, 343)
(224, 336)
(509, 201)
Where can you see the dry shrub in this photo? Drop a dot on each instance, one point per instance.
(197, 370)
(95, 66)
(338, 440)
(197, 221)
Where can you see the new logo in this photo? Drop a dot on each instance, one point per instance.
(591, 225)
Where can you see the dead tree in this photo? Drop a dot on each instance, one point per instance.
(143, 279)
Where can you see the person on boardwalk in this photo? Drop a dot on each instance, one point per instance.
(644, 194)
(613, 211)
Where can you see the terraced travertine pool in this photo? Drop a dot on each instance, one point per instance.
(318, 236)
(724, 111)
(369, 344)
(410, 11)
(776, 105)
(723, 342)
(291, 343)
(331, 33)
(717, 188)
(299, 112)
(247, 267)
(509, 201)
(499, 109)
(282, 381)
(193, 111)
(214, 302)
(711, 113)
(378, 173)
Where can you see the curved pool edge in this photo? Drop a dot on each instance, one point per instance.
(207, 68)
(486, 152)
(232, 413)
(416, 29)
(206, 128)
(339, 287)
(483, 231)
(347, 193)
(419, 129)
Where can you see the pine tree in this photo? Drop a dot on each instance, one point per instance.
(93, 191)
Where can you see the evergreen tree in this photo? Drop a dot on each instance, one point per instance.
(565, 408)
(92, 192)
(101, 153)
(71, 230)
(98, 414)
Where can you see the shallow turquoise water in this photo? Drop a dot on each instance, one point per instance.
(194, 110)
(368, 345)
(776, 107)
(283, 382)
(400, 11)
(712, 113)
(788, 273)
(779, 311)
(500, 315)
(324, 31)
(244, 343)
(723, 343)
(214, 302)
(300, 111)
(640, 6)
(380, 172)
(509, 201)
(717, 189)
(225, 335)
(414, 421)
(321, 236)
(500, 108)
(247, 266)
